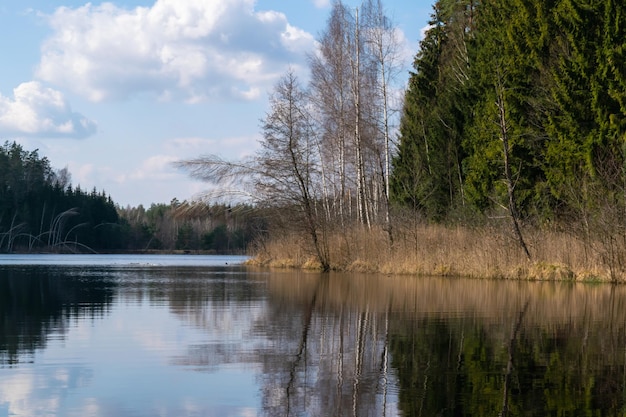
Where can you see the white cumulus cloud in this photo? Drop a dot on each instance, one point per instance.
(38, 111)
(175, 49)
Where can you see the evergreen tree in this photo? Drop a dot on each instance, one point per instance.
(37, 211)
(572, 130)
(427, 172)
(505, 77)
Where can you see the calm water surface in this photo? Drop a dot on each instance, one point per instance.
(86, 335)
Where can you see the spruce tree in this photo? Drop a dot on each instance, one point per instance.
(427, 169)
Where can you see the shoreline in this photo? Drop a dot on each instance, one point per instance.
(533, 272)
(451, 251)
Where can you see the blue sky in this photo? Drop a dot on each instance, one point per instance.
(117, 91)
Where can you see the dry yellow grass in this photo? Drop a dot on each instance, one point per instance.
(447, 251)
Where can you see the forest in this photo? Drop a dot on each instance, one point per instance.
(518, 104)
(517, 109)
(41, 211)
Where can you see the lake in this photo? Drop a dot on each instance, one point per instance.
(186, 335)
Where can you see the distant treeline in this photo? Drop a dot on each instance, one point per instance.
(40, 210)
(189, 227)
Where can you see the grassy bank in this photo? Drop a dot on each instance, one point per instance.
(453, 251)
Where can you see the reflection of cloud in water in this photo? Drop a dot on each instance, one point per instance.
(282, 351)
(15, 391)
(41, 392)
(49, 392)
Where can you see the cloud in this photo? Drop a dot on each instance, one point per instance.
(176, 49)
(424, 30)
(407, 48)
(320, 4)
(38, 111)
(156, 167)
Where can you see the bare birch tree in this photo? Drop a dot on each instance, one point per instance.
(289, 151)
(285, 171)
(357, 84)
(384, 47)
(330, 86)
(351, 75)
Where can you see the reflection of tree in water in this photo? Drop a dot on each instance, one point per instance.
(559, 353)
(37, 301)
(314, 359)
(455, 347)
(358, 346)
(325, 359)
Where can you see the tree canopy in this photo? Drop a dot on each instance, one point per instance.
(39, 208)
(557, 67)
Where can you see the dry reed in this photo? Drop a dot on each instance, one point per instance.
(446, 251)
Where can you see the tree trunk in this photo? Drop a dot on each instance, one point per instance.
(508, 177)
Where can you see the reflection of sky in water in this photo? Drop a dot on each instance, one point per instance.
(189, 341)
(119, 260)
(122, 365)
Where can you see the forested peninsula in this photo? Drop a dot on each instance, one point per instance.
(503, 157)
(506, 160)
